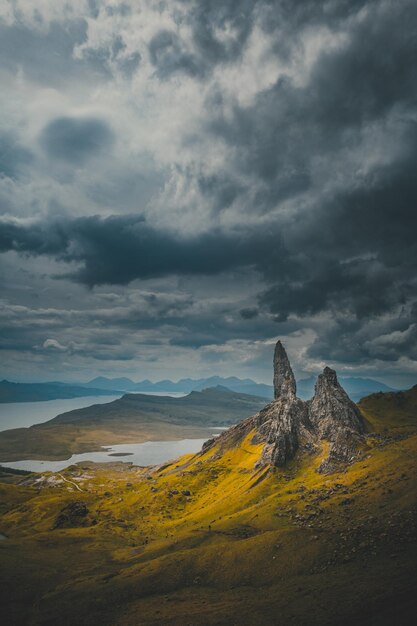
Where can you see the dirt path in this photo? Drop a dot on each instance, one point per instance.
(70, 482)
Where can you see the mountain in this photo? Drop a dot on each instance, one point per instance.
(211, 407)
(236, 384)
(185, 385)
(110, 384)
(249, 531)
(131, 419)
(37, 392)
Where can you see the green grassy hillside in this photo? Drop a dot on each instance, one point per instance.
(394, 411)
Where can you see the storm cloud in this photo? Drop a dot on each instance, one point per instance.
(117, 250)
(272, 144)
(75, 140)
(13, 156)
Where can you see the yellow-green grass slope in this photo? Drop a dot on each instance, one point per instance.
(208, 540)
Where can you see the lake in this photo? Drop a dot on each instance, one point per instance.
(148, 453)
(25, 414)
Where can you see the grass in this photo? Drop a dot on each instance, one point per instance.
(208, 540)
(395, 411)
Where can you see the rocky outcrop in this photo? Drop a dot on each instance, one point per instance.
(336, 419)
(284, 379)
(331, 408)
(285, 427)
(288, 425)
(73, 515)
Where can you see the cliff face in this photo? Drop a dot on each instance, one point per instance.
(289, 424)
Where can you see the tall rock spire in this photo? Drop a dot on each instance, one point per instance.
(285, 421)
(284, 381)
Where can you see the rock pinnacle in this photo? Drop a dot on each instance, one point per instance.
(284, 380)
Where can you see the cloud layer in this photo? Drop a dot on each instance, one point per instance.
(174, 149)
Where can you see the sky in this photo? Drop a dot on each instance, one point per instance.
(183, 182)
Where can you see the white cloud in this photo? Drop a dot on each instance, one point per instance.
(53, 344)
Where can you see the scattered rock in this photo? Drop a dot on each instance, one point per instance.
(72, 515)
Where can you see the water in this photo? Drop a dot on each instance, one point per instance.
(148, 453)
(25, 414)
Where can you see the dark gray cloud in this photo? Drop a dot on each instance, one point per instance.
(118, 250)
(249, 313)
(168, 54)
(108, 326)
(114, 54)
(357, 342)
(353, 251)
(306, 179)
(76, 139)
(13, 156)
(357, 253)
(210, 18)
(129, 63)
(46, 54)
(289, 128)
(219, 33)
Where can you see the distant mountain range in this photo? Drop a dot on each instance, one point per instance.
(185, 385)
(37, 392)
(356, 387)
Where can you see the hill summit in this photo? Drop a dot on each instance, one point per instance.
(288, 425)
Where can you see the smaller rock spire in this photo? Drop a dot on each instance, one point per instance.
(284, 380)
(331, 408)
